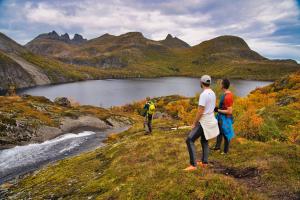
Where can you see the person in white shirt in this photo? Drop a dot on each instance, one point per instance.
(205, 125)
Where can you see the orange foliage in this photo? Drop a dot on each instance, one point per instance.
(293, 133)
(249, 123)
(182, 109)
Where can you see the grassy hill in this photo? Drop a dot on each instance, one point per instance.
(263, 162)
(22, 68)
(51, 58)
(222, 56)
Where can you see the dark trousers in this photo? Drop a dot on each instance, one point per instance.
(196, 133)
(220, 138)
(149, 122)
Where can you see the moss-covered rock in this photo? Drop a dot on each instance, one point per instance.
(31, 119)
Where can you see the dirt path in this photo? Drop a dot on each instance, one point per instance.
(39, 77)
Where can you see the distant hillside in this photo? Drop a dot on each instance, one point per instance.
(222, 56)
(22, 68)
(53, 44)
(52, 58)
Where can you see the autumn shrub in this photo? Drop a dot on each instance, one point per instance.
(293, 133)
(135, 107)
(249, 124)
(269, 130)
(271, 112)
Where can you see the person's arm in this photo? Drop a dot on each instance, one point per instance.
(198, 116)
(228, 102)
(228, 111)
(146, 107)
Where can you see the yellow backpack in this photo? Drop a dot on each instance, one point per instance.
(151, 108)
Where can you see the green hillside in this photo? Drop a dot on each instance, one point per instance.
(51, 58)
(262, 163)
(222, 56)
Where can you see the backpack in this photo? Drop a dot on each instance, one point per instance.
(151, 108)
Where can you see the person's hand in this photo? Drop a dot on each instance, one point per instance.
(216, 109)
(194, 125)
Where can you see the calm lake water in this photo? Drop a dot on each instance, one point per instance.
(114, 92)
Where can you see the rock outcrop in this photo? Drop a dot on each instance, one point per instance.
(36, 119)
(174, 42)
(62, 101)
(77, 39)
(15, 70)
(11, 73)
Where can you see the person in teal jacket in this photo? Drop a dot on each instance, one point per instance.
(225, 118)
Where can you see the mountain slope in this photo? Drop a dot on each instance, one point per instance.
(20, 67)
(133, 165)
(11, 73)
(222, 56)
(51, 58)
(10, 46)
(37, 75)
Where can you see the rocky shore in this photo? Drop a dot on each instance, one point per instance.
(30, 119)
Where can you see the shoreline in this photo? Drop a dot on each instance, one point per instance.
(27, 170)
(69, 125)
(115, 77)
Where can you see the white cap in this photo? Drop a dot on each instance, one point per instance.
(206, 79)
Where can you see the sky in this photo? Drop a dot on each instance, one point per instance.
(270, 27)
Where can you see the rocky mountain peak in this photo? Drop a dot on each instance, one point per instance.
(51, 35)
(174, 42)
(65, 36)
(77, 39)
(169, 36)
(133, 34)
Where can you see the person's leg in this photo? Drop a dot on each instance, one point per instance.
(205, 149)
(226, 144)
(219, 139)
(150, 123)
(193, 135)
(218, 142)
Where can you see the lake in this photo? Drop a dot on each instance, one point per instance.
(115, 92)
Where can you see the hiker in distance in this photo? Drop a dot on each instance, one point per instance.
(224, 117)
(205, 125)
(149, 109)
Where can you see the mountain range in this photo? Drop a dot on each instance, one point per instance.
(53, 58)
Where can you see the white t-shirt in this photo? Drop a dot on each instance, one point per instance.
(207, 99)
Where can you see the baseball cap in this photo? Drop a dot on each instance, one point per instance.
(206, 79)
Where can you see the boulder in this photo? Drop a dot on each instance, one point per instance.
(118, 121)
(44, 133)
(160, 115)
(68, 124)
(62, 101)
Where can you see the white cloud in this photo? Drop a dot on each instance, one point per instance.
(275, 49)
(191, 20)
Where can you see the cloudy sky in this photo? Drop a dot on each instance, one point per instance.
(271, 27)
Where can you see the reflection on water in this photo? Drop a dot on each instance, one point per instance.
(113, 92)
